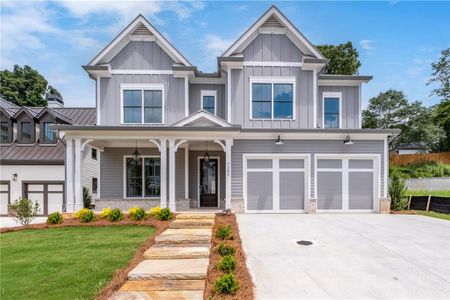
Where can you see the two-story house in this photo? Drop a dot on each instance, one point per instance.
(267, 132)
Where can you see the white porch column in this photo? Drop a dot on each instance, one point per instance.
(70, 201)
(172, 204)
(228, 144)
(186, 172)
(78, 188)
(163, 175)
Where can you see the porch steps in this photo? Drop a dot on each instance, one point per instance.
(176, 266)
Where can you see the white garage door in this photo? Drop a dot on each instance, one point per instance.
(49, 195)
(347, 184)
(275, 183)
(4, 197)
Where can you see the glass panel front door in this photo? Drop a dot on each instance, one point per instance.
(208, 183)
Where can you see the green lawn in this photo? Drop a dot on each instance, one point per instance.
(65, 263)
(434, 215)
(445, 193)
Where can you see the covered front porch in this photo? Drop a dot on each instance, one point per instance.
(182, 171)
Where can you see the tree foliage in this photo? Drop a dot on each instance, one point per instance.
(441, 117)
(391, 109)
(24, 86)
(441, 75)
(343, 59)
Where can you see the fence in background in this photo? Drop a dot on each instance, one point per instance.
(426, 203)
(404, 159)
(428, 184)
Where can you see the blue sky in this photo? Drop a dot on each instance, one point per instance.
(397, 40)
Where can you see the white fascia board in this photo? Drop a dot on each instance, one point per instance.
(200, 115)
(336, 82)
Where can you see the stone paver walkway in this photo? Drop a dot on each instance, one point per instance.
(176, 266)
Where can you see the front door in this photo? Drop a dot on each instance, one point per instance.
(208, 183)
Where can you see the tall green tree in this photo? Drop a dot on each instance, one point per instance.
(343, 59)
(441, 75)
(441, 117)
(391, 109)
(25, 86)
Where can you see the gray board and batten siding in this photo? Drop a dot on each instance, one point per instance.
(195, 98)
(241, 147)
(272, 47)
(142, 56)
(350, 105)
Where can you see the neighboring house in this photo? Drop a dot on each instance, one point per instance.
(32, 156)
(267, 132)
(413, 148)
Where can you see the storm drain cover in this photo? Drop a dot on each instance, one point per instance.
(304, 243)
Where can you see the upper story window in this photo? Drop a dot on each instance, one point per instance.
(49, 134)
(5, 132)
(26, 132)
(94, 153)
(331, 110)
(142, 104)
(209, 101)
(272, 98)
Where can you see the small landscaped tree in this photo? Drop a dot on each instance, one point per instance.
(87, 199)
(24, 210)
(397, 191)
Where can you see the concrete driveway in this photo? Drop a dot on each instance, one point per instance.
(352, 256)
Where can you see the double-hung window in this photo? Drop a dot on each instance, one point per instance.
(5, 132)
(143, 105)
(208, 102)
(272, 98)
(142, 177)
(49, 134)
(332, 110)
(26, 131)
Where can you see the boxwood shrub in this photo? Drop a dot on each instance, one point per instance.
(115, 215)
(85, 215)
(137, 213)
(224, 232)
(55, 218)
(227, 264)
(225, 249)
(226, 284)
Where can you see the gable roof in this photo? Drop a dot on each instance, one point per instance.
(202, 118)
(27, 111)
(56, 115)
(139, 28)
(273, 19)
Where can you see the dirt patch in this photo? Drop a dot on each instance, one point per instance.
(120, 275)
(245, 290)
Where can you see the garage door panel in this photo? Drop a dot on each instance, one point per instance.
(292, 164)
(329, 190)
(360, 164)
(360, 190)
(55, 202)
(292, 190)
(329, 163)
(259, 191)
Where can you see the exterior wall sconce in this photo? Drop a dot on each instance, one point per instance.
(348, 141)
(279, 141)
(14, 177)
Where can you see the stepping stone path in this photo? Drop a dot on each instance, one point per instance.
(175, 267)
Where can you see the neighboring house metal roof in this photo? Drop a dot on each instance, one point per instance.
(43, 154)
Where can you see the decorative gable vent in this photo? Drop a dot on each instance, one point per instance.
(272, 21)
(142, 30)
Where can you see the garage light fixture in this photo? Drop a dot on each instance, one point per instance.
(279, 141)
(206, 155)
(14, 177)
(348, 141)
(136, 154)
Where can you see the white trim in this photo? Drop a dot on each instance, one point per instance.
(163, 178)
(141, 72)
(291, 32)
(172, 175)
(276, 170)
(97, 95)
(186, 172)
(271, 64)
(229, 95)
(78, 186)
(143, 87)
(221, 144)
(156, 143)
(124, 179)
(338, 82)
(186, 96)
(359, 106)
(331, 95)
(210, 93)
(177, 145)
(345, 170)
(218, 179)
(202, 114)
(386, 167)
(314, 98)
(70, 201)
(121, 40)
(83, 145)
(272, 81)
(142, 38)
(272, 30)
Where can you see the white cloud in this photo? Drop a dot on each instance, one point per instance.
(367, 45)
(216, 44)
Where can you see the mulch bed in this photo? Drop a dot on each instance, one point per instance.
(120, 275)
(241, 273)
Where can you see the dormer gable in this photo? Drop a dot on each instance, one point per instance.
(202, 118)
(50, 114)
(26, 131)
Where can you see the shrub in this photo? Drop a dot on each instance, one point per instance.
(227, 264)
(397, 191)
(85, 215)
(115, 215)
(226, 284)
(154, 211)
(55, 218)
(23, 210)
(105, 213)
(87, 199)
(224, 232)
(165, 214)
(137, 213)
(225, 249)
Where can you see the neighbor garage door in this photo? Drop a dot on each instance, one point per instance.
(275, 183)
(49, 195)
(347, 184)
